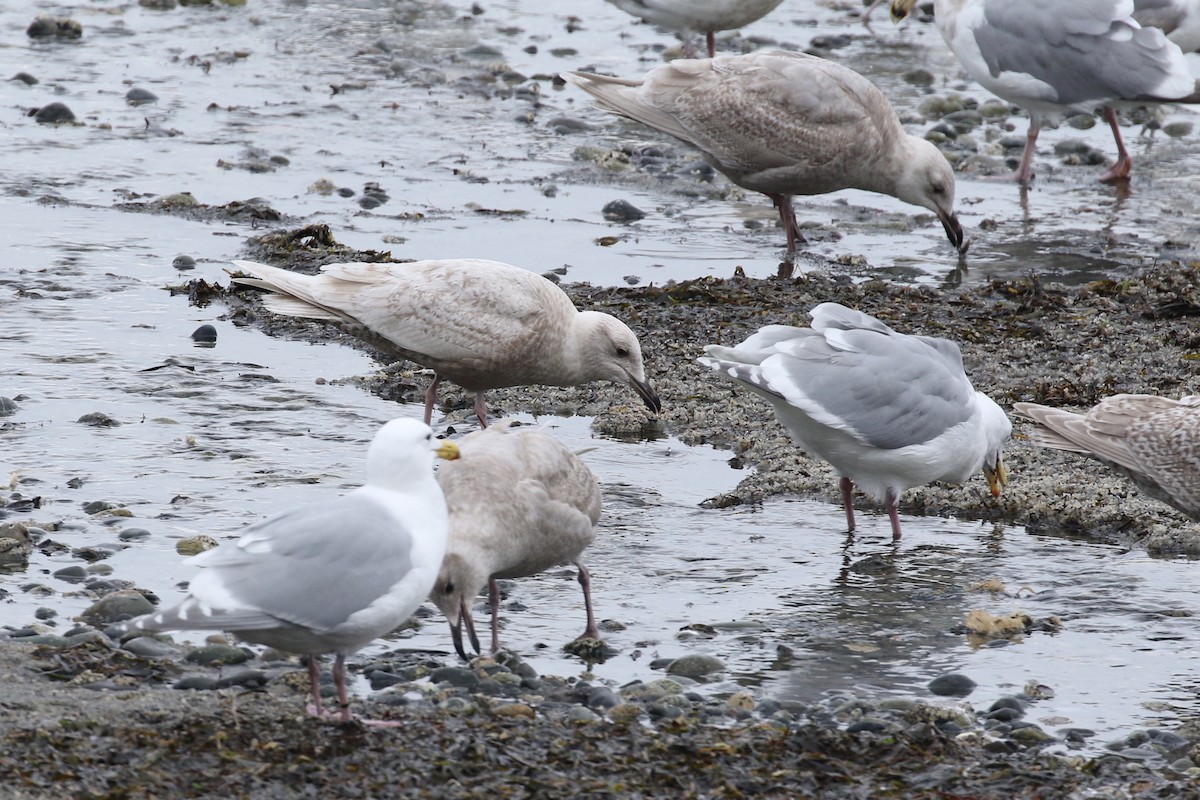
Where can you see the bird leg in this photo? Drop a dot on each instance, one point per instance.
(848, 501)
(710, 39)
(787, 216)
(1120, 170)
(892, 502)
(314, 709)
(481, 409)
(431, 397)
(585, 580)
(1025, 170)
(339, 680)
(494, 603)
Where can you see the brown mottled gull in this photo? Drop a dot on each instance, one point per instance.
(481, 324)
(520, 503)
(333, 576)
(1155, 441)
(702, 16)
(887, 410)
(784, 124)
(1058, 58)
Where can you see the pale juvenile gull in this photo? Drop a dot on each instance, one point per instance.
(784, 124)
(1053, 59)
(1155, 441)
(520, 503)
(701, 16)
(1178, 19)
(889, 411)
(481, 324)
(333, 576)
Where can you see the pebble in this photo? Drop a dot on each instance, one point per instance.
(602, 697)
(47, 27)
(513, 710)
(247, 678)
(116, 607)
(455, 676)
(55, 113)
(194, 545)
(138, 96)
(183, 262)
(217, 655)
(71, 574)
(952, 685)
(8, 407)
(459, 706)
(625, 713)
(133, 534)
(200, 682)
(25, 78)
(695, 666)
(98, 420)
(149, 647)
(581, 715)
(205, 333)
(622, 211)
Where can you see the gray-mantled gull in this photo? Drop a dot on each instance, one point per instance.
(1178, 19)
(1065, 57)
(520, 503)
(1155, 441)
(784, 124)
(481, 324)
(329, 577)
(889, 411)
(701, 16)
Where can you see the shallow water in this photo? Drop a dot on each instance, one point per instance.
(237, 431)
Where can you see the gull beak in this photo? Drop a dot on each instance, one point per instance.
(456, 628)
(447, 450)
(901, 9)
(456, 636)
(997, 475)
(647, 393)
(954, 231)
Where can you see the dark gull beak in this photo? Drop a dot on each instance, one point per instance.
(647, 393)
(954, 231)
(456, 628)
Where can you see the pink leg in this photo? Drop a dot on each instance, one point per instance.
(314, 709)
(711, 40)
(892, 501)
(848, 501)
(431, 397)
(494, 602)
(1120, 170)
(585, 580)
(787, 215)
(1025, 171)
(339, 680)
(481, 409)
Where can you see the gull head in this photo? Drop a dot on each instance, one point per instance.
(927, 180)
(458, 583)
(901, 9)
(403, 451)
(609, 351)
(997, 430)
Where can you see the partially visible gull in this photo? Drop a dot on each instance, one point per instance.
(1053, 59)
(482, 324)
(889, 411)
(702, 16)
(784, 124)
(520, 503)
(1178, 19)
(333, 576)
(1155, 441)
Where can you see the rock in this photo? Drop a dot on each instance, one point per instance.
(212, 655)
(98, 420)
(49, 27)
(183, 263)
(71, 574)
(602, 697)
(952, 685)
(513, 710)
(194, 545)
(193, 682)
(15, 544)
(625, 713)
(149, 647)
(581, 715)
(138, 96)
(133, 534)
(695, 666)
(455, 676)
(622, 211)
(248, 678)
(55, 113)
(25, 78)
(116, 607)
(205, 333)
(7, 407)
(459, 706)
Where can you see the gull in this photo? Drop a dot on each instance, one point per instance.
(481, 324)
(520, 503)
(889, 411)
(1178, 19)
(1055, 59)
(1155, 441)
(703, 16)
(328, 577)
(784, 124)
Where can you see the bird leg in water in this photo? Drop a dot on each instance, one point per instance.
(892, 502)
(1120, 170)
(494, 604)
(848, 501)
(431, 397)
(787, 215)
(481, 409)
(585, 580)
(1025, 170)
(710, 39)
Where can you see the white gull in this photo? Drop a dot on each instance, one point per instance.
(1058, 58)
(702, 16)
(333, 576)
(481, 324)
(889, 411)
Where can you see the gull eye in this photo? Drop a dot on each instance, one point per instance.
(449, 588)
(622, 352)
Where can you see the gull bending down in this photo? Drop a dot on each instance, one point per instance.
(887, 410)
(481, 324)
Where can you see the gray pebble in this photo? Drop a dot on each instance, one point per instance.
(201, 682)
(952, 685)
(695, 666)
(149, 647)
(7, 407)
(98, 420)
(247, 678)
(217, 655)
(138, 96)
(622, 211)
(133, 534)
(602, 697)
(54, 114)
(71, 574)
(25, 78)
(183, 262)
(455, 676)
(116, 607)
(205, 333)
